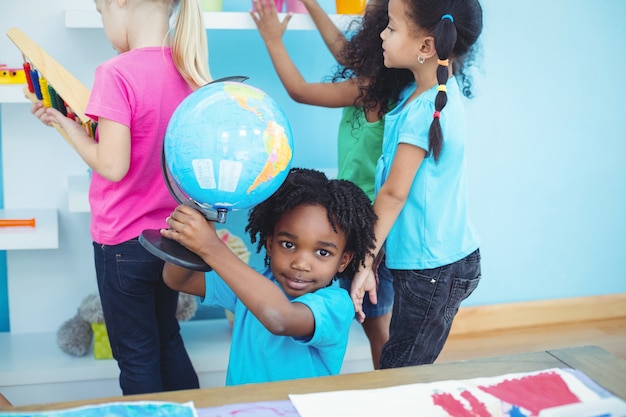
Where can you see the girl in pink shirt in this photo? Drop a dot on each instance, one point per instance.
(133, 97)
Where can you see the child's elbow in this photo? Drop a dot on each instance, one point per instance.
(171, 277)
(298, 97)
(275, 322)
(170, 282)
(299, 93)
(394, 195)
(113, 174)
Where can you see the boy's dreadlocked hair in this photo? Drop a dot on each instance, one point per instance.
(349, 211)
(363, 57)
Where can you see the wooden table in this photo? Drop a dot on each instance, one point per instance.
(603, 367)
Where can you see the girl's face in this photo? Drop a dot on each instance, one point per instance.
(305, 253)
(401, 40)
(113, 18)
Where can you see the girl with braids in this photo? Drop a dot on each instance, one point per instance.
(289, 322)
(431, 246)
(367, 90)
(132, 99)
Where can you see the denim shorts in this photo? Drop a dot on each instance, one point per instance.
(425, 304)
(384, 293)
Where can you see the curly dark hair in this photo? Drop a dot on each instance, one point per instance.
(363, 57)
(349, 210)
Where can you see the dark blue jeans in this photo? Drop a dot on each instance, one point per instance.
(425, 304)
(139, 313)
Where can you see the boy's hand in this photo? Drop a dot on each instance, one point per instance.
(266, 20)
(191, 229)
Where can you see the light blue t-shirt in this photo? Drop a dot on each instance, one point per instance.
(256, 355)
(434, 228)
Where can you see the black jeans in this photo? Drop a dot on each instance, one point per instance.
(425, 304)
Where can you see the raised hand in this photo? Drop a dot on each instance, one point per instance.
(266, 19)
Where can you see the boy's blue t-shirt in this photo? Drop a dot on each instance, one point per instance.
(256, 355)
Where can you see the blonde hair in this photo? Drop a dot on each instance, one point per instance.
(190, 49)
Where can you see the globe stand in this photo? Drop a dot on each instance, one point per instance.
(167, 249)
(171, 251)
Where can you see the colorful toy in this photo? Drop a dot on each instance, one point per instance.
(17, 222)
(12, 75)
(50, 83)
(75, 335)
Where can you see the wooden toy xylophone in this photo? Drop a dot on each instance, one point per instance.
(48, 82)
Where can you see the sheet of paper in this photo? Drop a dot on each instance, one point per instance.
(524, 394)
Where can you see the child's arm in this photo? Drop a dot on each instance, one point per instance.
(388, 203)
(184, 280)
(334, 39)
(262, 297)
(110, 157)
(340, 94)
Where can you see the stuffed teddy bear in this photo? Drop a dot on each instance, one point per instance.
(75, 335)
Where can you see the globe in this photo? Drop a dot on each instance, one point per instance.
(228, 146)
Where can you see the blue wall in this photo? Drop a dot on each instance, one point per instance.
(547, 181)
(548, 186)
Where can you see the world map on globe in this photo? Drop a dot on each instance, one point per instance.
(228, 146)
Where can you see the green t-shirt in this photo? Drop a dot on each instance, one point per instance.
(359, 147)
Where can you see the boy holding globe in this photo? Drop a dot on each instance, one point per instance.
(289, 321)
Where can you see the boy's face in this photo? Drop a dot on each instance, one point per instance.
(305, 253)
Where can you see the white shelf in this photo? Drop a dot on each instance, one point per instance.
(45, 234)
(78, 194)
(35, 358)
(78, 16)
(13, 93)
(34, 370)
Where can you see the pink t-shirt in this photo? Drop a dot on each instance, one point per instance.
(139, 89)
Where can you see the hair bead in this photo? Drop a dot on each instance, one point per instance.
(436, 114)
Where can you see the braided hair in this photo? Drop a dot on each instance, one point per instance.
(362, 57)
(349, 210)
(455, 26)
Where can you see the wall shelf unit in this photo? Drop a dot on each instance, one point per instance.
(13, 93)
(81, 14)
